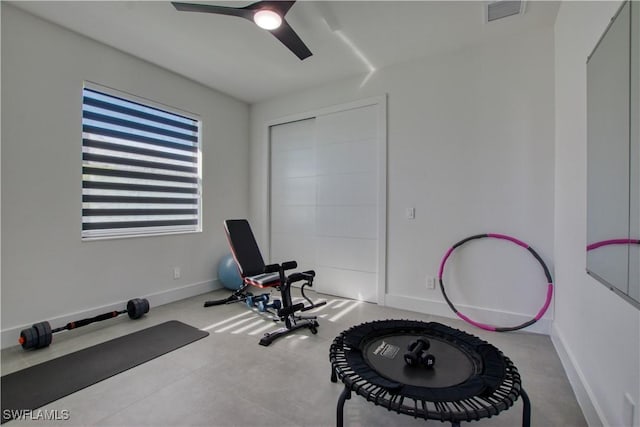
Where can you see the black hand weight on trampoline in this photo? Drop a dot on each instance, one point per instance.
(40, 334)
(418, 355)
(427, 360)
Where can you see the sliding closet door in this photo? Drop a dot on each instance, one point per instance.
(293, 193)
(347, 203)
(327, 199)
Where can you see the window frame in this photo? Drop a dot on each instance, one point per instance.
(132, 232)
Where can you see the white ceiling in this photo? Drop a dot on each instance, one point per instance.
(236, 57)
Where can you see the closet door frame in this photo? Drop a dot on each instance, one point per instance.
(381, 103)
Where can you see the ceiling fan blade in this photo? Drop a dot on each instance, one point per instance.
(284, 33)
(220, 10)
(290, 39)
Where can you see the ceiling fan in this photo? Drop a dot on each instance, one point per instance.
(266, 14)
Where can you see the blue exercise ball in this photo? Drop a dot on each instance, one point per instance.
(228, 273)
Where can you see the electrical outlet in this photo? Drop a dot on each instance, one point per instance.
(176, 273)
(410, 213)
(431, 282)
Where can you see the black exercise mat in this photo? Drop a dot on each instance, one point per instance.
(38, 385)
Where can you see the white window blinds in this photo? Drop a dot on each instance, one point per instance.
(140, 168)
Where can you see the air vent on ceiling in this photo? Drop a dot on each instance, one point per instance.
(503, 8)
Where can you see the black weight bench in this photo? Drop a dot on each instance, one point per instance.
(255, 274)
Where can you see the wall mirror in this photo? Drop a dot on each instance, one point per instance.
(613, 155)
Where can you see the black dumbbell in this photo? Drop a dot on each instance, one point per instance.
(418, 355)
(427, 360)
(40, 334)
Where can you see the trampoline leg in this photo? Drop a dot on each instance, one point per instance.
(334, 377)
(346, 394)
(526, 410)
(455, 424)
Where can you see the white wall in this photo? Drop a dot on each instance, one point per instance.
(470, 146)
(49, 273)
(596, 333)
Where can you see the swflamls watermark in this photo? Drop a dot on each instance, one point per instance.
(36, 414)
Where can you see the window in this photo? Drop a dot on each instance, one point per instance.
(141, 168)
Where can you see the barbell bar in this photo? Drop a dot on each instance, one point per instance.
(40, 334)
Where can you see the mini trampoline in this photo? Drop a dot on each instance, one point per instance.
(469, 380)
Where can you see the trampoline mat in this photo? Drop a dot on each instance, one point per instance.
(385, 355)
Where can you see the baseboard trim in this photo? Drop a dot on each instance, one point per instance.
(440, 308)
(590, 409)
(9, 336)
(177, 294)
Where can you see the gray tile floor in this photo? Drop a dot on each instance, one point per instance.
(227, 379)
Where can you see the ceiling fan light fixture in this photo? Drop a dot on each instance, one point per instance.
(267, 19)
